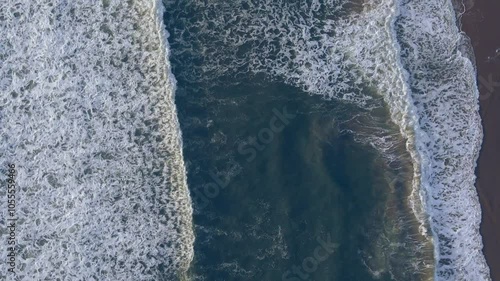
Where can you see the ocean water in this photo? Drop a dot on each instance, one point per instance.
(260, 213)
(381, 153)
(88, 118)
(321, 140)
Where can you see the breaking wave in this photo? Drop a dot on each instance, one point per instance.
(87, 115)
(449, 133)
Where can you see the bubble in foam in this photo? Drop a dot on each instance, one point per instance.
(87, 116)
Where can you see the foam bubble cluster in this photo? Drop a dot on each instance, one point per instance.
(87, 115)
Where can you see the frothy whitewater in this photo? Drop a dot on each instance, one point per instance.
(409, 53)
(87, 115)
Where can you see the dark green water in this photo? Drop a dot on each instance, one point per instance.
(261, 212)
(286, 185)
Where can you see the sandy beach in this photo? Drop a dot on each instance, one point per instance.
(481, 21)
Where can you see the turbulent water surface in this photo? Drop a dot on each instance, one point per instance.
(348, 127)
(87, 116)
(409, 57)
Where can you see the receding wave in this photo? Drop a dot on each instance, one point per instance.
(87, 116)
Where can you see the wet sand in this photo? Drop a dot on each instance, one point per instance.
(481, 22)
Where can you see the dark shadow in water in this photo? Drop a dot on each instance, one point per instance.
(300, 183)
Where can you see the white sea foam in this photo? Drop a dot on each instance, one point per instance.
(445, 94)
(87, 115)
(408, 52)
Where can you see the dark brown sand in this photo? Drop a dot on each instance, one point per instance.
(481, 22)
